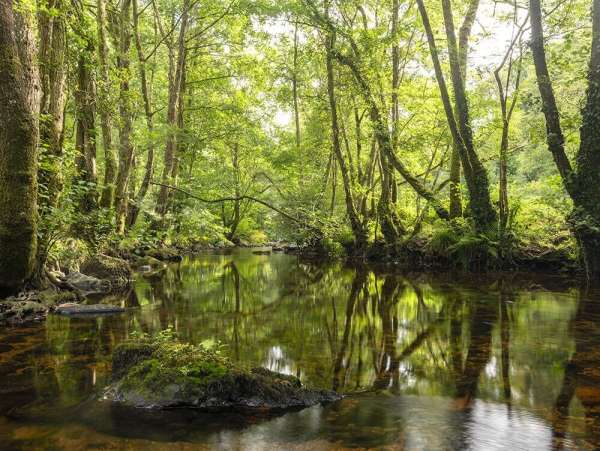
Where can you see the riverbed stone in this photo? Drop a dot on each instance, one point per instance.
(170, 375)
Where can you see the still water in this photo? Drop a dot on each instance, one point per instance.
(428, 362)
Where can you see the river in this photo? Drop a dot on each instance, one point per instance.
(428, 361)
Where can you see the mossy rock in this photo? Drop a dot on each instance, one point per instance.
(115, 270)
(16, 312)
(166, 375)
(127, 355)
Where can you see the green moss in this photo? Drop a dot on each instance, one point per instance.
(151, 366)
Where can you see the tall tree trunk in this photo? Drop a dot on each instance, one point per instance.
(384, 141)
(484, 215)
(175, 79)
(85, 142)
(125, 113)
(463, 53)
(295, 86)
(586, 218)
(149, 169)
(104, 88)
(358, 230)
(480, 203)
(53, 74)
(582, 185)
(385, 212)
(235, 220)
(385, 207)
(19, 134)
(52, 56)
(506, 110)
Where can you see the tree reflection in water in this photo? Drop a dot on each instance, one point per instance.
(461, 355)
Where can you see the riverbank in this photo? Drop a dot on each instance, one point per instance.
(70, 282)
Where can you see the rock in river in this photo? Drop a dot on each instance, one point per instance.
(87, 284)
(83, 309)
(165, 375)
(114, 270)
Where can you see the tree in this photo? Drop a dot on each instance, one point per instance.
(480, 204)
(105, 107)
(177, 57)
(358, 229)
(19, 110)
(583, 182)
(126, 117)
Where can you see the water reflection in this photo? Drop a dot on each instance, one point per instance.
(429, 361)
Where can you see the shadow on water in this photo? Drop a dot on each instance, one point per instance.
(428, 361)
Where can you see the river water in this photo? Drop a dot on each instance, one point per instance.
(428, 361)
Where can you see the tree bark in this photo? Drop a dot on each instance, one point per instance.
(583, 185)
(53, 74)
(125, 113)
(358, 230)
(105, 109)
(19, 134)
(484, 215)
(149, 169)
(176, 69)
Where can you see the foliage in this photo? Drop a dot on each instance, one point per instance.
(252, 130)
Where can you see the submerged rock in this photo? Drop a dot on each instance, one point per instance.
(166, 375)
(83, 309)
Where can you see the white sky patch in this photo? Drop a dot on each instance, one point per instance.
(283, 118)
(493, 35)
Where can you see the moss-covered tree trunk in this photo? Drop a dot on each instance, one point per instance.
(126, 116)
(476, 178)
(85, 139)
(176, 69)
(19, 133)
(358, 230)
(582, 183)
(135, 207)
(105, 108)
(480, 204)
(53, 74)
